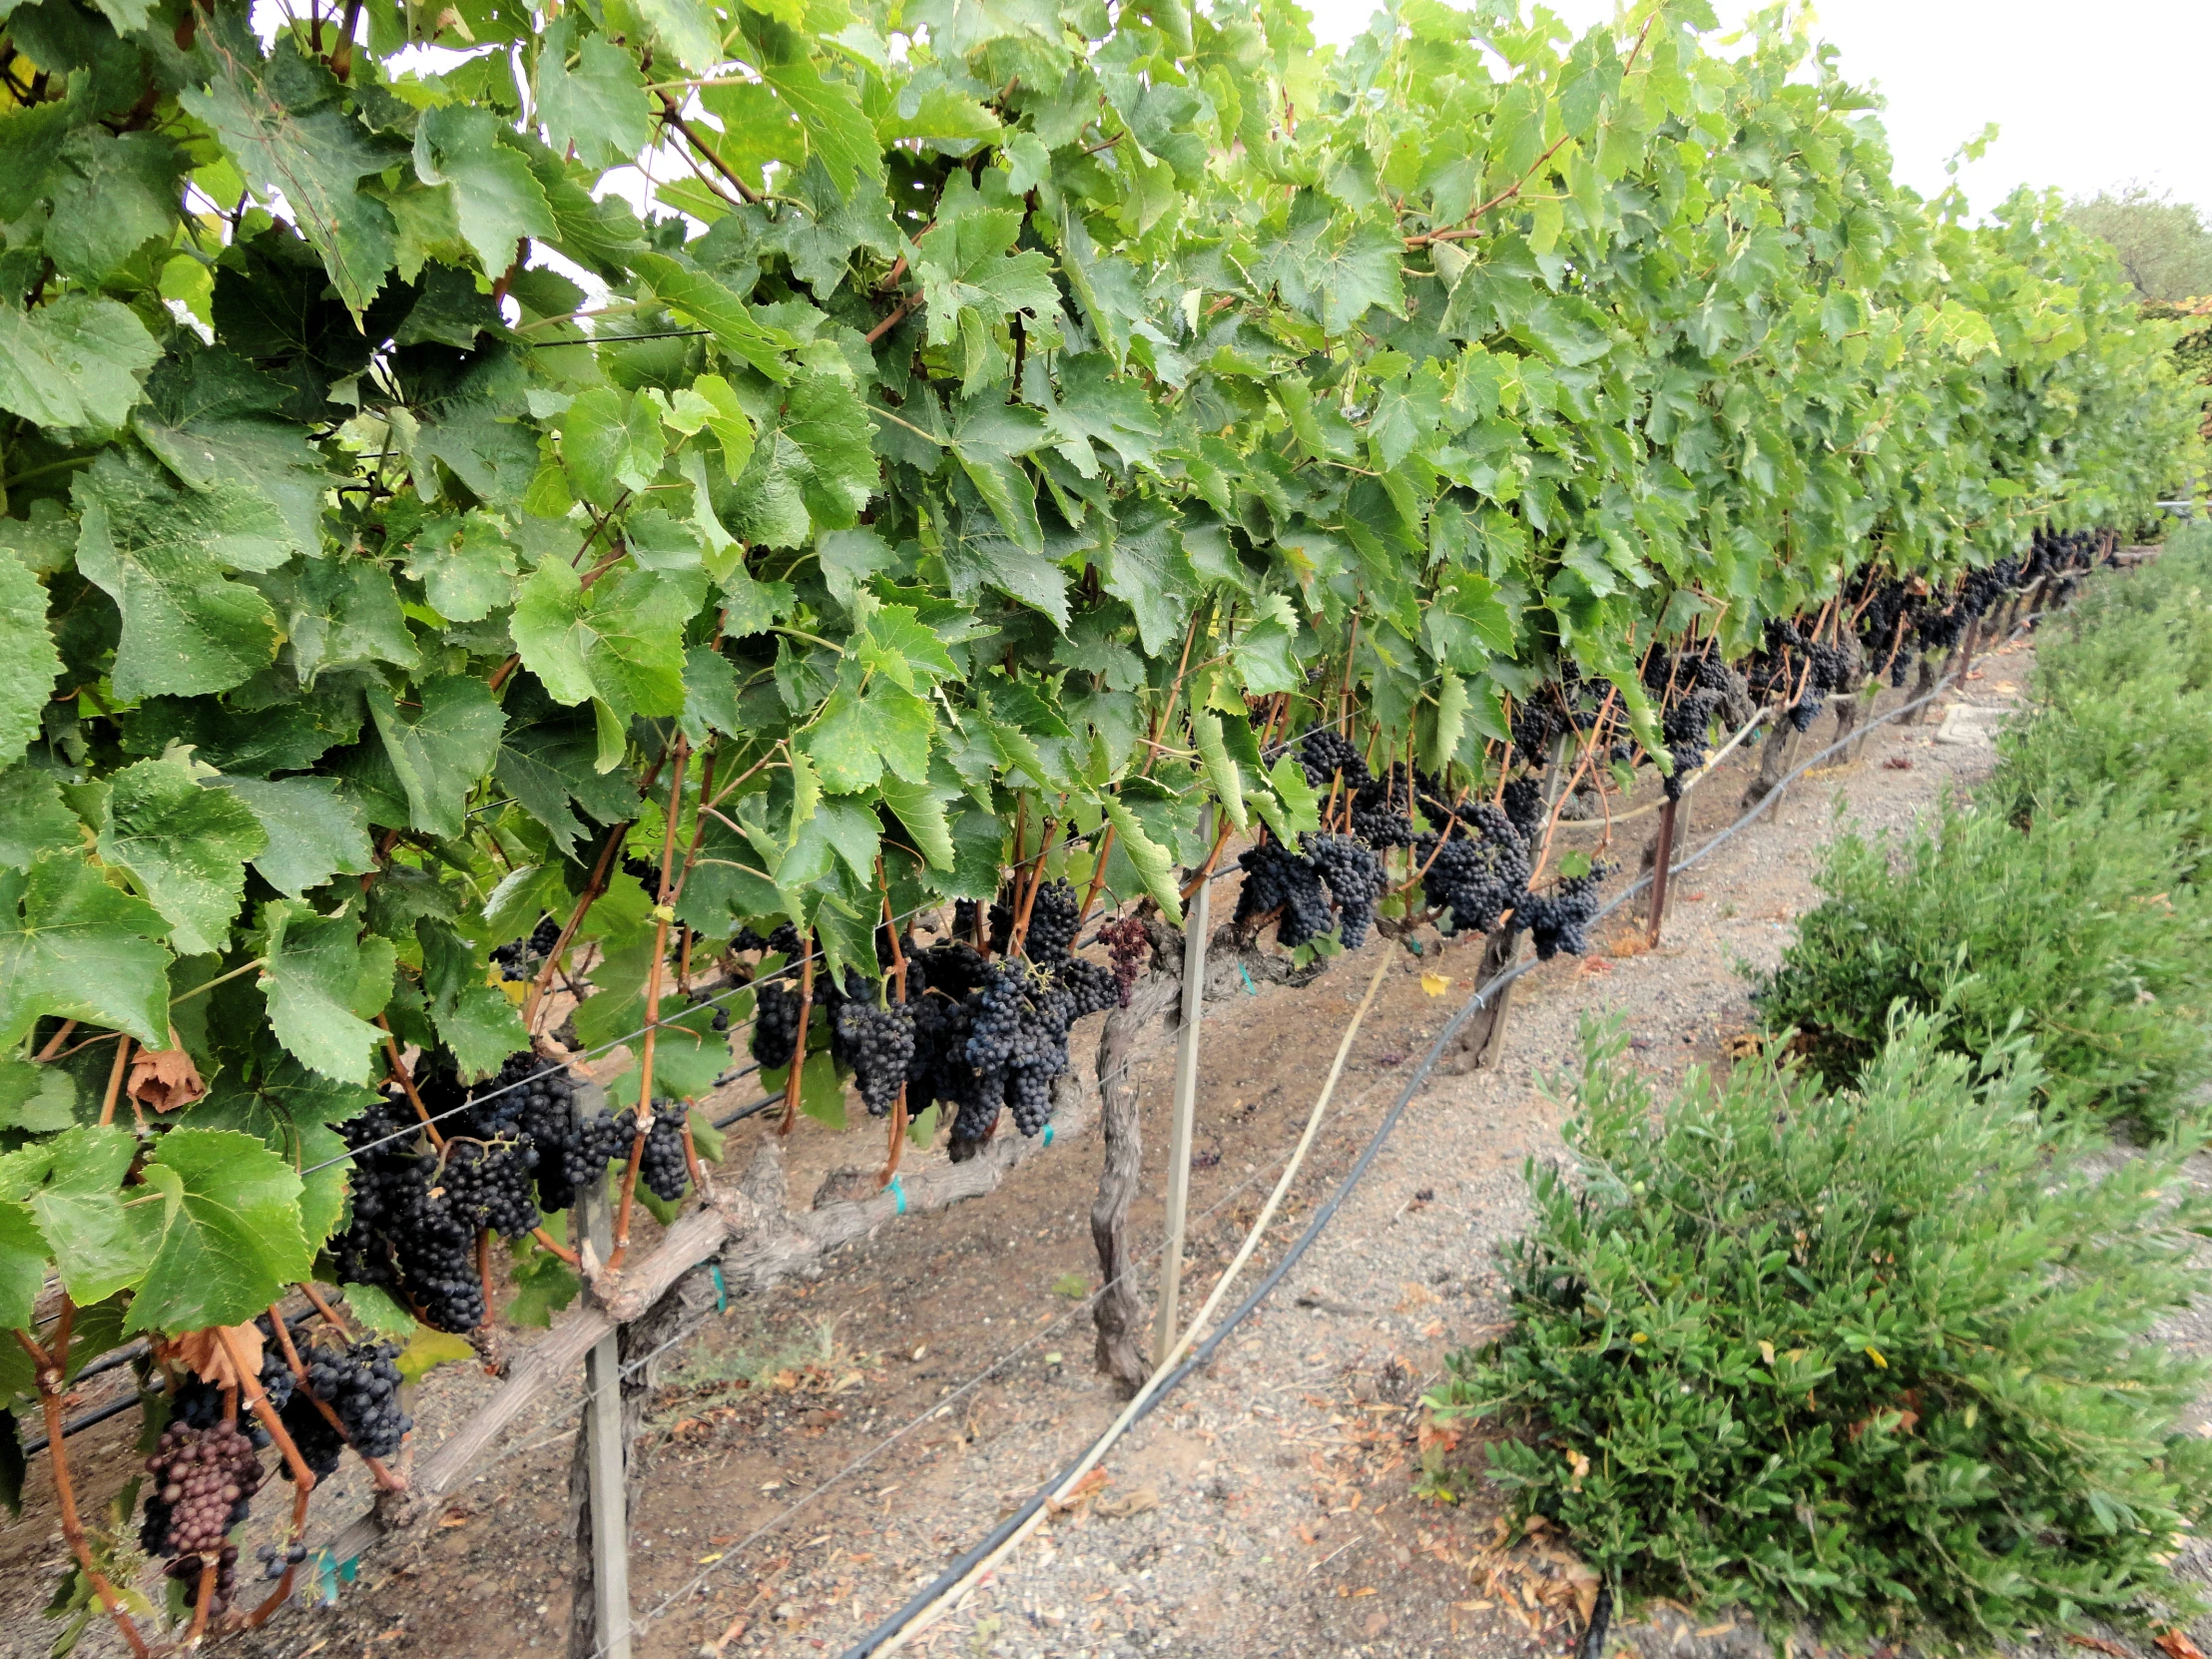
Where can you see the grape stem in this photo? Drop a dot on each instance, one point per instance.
(302, 1478)
(663, 915)
(329, 1314)
(405, 1080)
(115, 1080)
(48, 1370)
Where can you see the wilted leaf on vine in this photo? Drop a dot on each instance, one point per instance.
(207, 1357)
(164, 1079)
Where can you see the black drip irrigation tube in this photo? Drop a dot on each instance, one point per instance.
(1203, 1351)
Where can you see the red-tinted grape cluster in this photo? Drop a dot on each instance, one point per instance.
(201, 1483)
(1131, 948)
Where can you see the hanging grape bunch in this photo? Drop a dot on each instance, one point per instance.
(1280, 883)
(1355, 877)
(490, 1183)
(1327, 755)
(1379, 811)
(1479, 873)
(201, 1484)
(662, 1167)
(1131, 948)
(1559, 919)
(360, 1384)
(198, 1403)
(1052, 922)
(876, 1044)
(775, 1024)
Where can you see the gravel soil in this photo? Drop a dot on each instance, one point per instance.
(1276, 1505)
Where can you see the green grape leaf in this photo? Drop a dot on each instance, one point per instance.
(314, 831)
(621, 641)
(475, 1021)
(978, 553)
(71, 1184)
(687, 28)
(864, 729)
(968, 263)
(1221, 769)
(613, 445)
(186, 847)
(497, 201)
(737, 329)
(1152, 861)
(322, 980)
(439, 748)
(304, 145)
(22, 1271)
(213, 419)
(38, 1099)
(379, 1310)
(466, 569)
(1262, 655)
(921, 810)
(599, 108)
(163, 555)
(29, 663)
(1451, 720)
(544, 1286)
(74, 946)
(112, 194)
(295, 1113)
(220, 1213)
(77, 363)
(814, 465)
(340, 613)
(838, 128)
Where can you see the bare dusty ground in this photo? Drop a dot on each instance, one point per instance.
(1273, 1507)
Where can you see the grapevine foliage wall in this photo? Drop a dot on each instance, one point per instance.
(996, 413)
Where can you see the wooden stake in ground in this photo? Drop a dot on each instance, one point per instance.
(598, 1620)
(1186, 1108)
(1661, 867)
(1117, 1312)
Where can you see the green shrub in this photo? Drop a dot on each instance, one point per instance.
(2123, 699)
(1859, 1360)
(2081, 930)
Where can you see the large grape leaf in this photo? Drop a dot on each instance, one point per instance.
(71, 1184)
(548, 758)
(22, 1266)
(338, 614)
(612, 443)
(438, 748)
(814, 465)
(74, 946)
(621, 641)
(186, 847)
(599, 107)
(33, 818)
(498, 200)
(292, 1112)
(322, 980)
(78, 361)
(219, 1215)
(28, 659)
(164, 555)
(477, 1023)
(968, 263)
(838, 128)
(110, 194)
(213, 417)
(288, 134)
(864, 729)
(314, 832)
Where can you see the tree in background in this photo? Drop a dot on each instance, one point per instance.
(2164, 245)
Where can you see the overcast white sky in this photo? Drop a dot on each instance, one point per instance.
(2085, 96)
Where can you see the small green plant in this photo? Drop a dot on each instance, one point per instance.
(1864, 1360)
(2080, 931)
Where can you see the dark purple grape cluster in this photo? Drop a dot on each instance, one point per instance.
(876, 1042)
(360, 1384)
(1479, 873)
(489, 1182)
(1327, 755)
(406, 1234)
(775, 1024)
(1280, 883)
(1686, 727)
(661, 1166)
(1560, 920)
(1356, 884)
(1093, 988)
(1382, 809)
(1052, 924)
(1523, 803)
